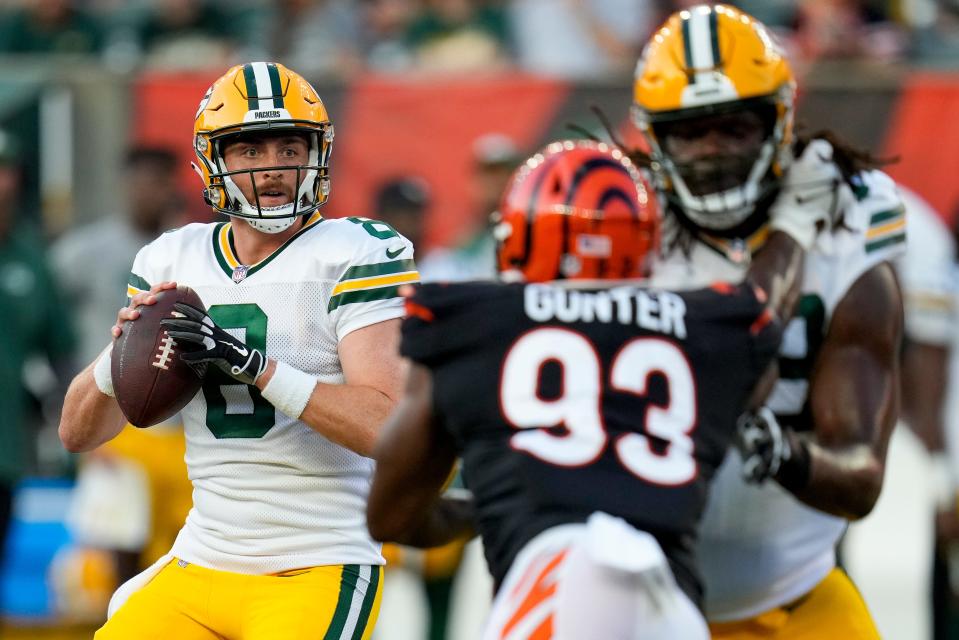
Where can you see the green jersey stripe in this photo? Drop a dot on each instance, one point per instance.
(363, 295)
(137, 282)
(351, 572)
(275, 85)
(881, 217)
(378, 269)
(368, 601)
(885, 242)
(250, 79)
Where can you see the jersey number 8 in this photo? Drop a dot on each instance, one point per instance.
(578, 408)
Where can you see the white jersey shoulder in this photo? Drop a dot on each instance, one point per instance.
(927, 274)
(155, 262)
(871, 230)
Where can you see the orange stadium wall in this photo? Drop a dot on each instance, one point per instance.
(387, 128)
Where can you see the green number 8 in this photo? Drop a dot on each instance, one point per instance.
(237, 425)
(370, 226)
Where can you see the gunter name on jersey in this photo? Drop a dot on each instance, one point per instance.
(659, 311)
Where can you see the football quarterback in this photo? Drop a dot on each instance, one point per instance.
(713, 96)
(296, 349)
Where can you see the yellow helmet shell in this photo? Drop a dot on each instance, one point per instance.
(261, 96)
(709, 55)
(708, 59)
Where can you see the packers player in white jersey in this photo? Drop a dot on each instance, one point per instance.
(298, 342)
(713, 97)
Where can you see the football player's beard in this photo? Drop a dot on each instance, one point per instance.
(715, 174)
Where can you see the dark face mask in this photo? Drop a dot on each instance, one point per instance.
(714, 153)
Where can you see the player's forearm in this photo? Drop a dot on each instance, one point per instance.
(349, 415)
(449, 519)
(89, 417)
(844, 482)
(925, 377)
(777, 270)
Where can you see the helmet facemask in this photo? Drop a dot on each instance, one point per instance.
(311, 180)
(719, 160)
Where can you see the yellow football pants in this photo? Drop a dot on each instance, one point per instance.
(187, 602)
(833, 609)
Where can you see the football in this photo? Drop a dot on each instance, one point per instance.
(150, 381)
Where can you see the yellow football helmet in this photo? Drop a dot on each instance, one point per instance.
(710, 62)
(262, 97)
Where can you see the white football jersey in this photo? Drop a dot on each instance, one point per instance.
(926, 273)
(760, 547)
(271, 494)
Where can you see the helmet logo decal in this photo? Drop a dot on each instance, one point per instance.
(205, 101)
(263, 88)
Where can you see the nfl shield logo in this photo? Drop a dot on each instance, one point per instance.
(239, 273)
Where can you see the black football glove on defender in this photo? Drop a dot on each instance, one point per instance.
(771, 451)
(231, 355)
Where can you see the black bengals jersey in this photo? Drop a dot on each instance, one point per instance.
(564, 401)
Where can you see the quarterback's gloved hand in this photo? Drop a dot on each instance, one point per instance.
(811, 195)
(771, 451)
(233, 356)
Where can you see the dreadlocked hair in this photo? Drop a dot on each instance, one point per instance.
(636, 155)
(849, 159)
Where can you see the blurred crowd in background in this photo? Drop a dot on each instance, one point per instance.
(566, 38)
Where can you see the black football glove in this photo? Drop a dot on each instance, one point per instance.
(231, 355)
(771, 451)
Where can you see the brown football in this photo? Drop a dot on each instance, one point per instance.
(150, 381)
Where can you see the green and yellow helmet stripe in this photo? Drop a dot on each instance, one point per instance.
(700, 41)
(251, 93)
(275, 85)
(263, 87)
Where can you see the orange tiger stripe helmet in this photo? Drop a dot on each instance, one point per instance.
(577, 210)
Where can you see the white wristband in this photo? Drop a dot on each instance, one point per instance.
(102, 373)
(289, 390)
